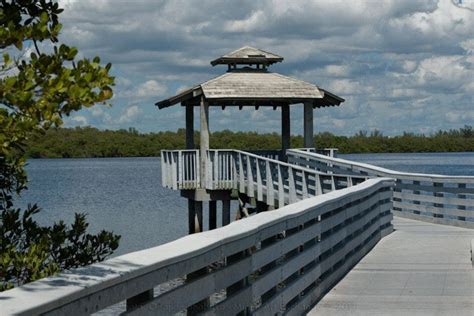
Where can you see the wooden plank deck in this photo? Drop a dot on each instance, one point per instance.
(420, 269)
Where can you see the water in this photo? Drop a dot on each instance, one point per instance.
(124, 195)
(435, 163)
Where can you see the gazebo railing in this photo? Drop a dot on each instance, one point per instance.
(434, 198)
(180, 169)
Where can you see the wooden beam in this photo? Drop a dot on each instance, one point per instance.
(308, 126)
(204, 136)
(285, 128)
(191, 217)
(212, 215)
(189, 127)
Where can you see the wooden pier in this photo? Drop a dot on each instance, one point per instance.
(314, 216)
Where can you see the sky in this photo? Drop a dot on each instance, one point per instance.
(400, 65)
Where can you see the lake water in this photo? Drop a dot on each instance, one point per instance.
(125, 194)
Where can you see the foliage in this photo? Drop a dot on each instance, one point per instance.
(91, 142)
(37, 89)
(33, 251)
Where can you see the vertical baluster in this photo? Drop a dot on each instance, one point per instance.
(333, 183)
(281, 192)
(269, 185)
(216, 181)
(291, 186)
(304, 184)
(180, 168)
(250, 189)
(175, 171)
(226, 169)
(210, 170)
(259, 181)
(349, 181)
(163, 169)
(198, 166)
(234, 170)
(318, 184)
(241, 174)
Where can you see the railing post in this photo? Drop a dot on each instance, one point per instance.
(250, 189)
(269, 184)
(304, 184)
(281, 189)
(416, 192)
(462, 207)
(437, 194)
(259, 181)
(318, 185)
(291, 186)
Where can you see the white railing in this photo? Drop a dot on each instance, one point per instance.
(274, 262)
(268, 180)
(180, 169)
(435, 198)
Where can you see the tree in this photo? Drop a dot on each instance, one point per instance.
(41, 81)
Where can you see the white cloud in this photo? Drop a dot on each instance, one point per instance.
(129, 114)
(391, 59)
(151, 88)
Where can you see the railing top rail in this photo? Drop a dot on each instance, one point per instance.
(67, 287)
(385, 172)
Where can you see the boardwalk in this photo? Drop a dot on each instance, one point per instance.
(420, 269)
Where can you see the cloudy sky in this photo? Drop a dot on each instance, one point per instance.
(400, 65)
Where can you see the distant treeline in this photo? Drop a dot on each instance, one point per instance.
(92, 142)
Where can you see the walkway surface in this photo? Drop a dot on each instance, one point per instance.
(420, 269)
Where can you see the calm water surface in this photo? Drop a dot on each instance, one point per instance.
(125, 194)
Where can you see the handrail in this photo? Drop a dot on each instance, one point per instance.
(269, 180)
(380, 171)
(280, 261)
(429, 197)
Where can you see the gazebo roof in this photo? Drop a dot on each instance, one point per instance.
(248, 55)
(253, 86)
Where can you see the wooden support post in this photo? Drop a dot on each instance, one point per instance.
(462, 207)
(212, 215)
(140, 299)
(225, 212)
(204, 137)
(198, 227)
(308, 126)
(437, 194)
(189, 127)
(285, 129)
(191, 217)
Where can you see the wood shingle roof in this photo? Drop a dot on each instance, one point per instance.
(248, 55)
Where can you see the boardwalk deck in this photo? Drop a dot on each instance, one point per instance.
(420, 269)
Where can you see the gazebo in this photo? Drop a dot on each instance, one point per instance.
(247, 83)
